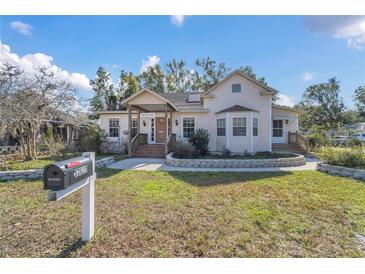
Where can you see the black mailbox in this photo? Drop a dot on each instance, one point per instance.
(61, 175)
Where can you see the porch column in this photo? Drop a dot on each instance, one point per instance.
(138, 121)
(167, 130)
(170, 121)
(129, 131)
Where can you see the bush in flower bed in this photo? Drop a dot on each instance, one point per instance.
(200, 140)
(347, 157)
(184, 150)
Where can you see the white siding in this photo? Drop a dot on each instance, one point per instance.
(250, 97)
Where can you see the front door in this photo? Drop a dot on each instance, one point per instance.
(278, 134)
(160, 130)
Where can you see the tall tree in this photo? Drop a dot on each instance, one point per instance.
(323, 105)
(360, 100)
(248, 70)
(153, 78)
(28, 99)
(178, 77)
(211, 73)
(131, 85)
(127, 86)
(103, 88)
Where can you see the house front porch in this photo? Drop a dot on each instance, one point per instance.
(149, 134)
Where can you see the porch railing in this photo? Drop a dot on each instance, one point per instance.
(297, 138)
(138, 139)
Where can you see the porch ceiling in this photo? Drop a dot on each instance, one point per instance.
(153, 107)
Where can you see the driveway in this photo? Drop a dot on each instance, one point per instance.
(159, 164)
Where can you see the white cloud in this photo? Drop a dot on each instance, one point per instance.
(31, 62)
(23, 28)
(151, 62)
(177, 20)
(307, 76)
(285, 100)
(349, 28)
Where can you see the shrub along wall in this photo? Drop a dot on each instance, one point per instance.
(346, 157)
(235, 163)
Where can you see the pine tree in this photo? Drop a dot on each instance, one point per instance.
(153, 78)
(103, 88)
(178, 77)
(212, 73)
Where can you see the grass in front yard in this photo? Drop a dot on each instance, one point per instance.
(178, 214)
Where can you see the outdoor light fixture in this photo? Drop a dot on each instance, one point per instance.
(176, 122)
(286, 121)
(144, 123)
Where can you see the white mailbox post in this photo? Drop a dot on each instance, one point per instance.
(64, 178)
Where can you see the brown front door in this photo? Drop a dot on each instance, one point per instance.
(160, 130)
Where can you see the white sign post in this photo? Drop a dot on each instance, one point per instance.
(88, 199)
(88, 203)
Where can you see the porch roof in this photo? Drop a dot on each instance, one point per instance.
(147, 100)
(236, 108)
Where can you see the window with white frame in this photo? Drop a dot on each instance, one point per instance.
(153, 130)
(134, 127)
(255, 127)
(221, 127)
(113, 127)
(188, 126)
(239, 126)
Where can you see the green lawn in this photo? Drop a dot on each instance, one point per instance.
(176, 214)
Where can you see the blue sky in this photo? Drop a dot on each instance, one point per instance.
(291, 52)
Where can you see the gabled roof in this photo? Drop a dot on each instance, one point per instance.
(125, 102)
(287, 108)
(270, 90)
(236, 108)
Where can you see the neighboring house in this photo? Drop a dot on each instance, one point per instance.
(356, 127)
(238, 113)
(67, 132)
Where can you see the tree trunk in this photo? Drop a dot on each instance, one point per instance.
(34, 143)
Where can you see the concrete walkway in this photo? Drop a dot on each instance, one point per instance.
(159, 164)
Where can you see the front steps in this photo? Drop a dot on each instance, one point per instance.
(150, 151)
(294, 148)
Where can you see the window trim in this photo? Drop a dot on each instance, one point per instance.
(114, 127)
(225, 126)
(240, 116)
(134, 129)
(154, 130)
(182, 125)
(282, 128)
(253, 127)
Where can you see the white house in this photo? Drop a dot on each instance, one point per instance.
(238, 113)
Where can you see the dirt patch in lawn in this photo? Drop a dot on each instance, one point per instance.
(179, 214)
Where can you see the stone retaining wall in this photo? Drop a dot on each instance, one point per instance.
(31, 174)
(298, 160)
(104, 162)
(342, 171)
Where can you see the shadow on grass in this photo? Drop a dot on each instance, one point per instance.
(70, 249)
(107, 172)
(206, 179)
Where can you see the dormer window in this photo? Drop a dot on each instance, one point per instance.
(236, 88)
